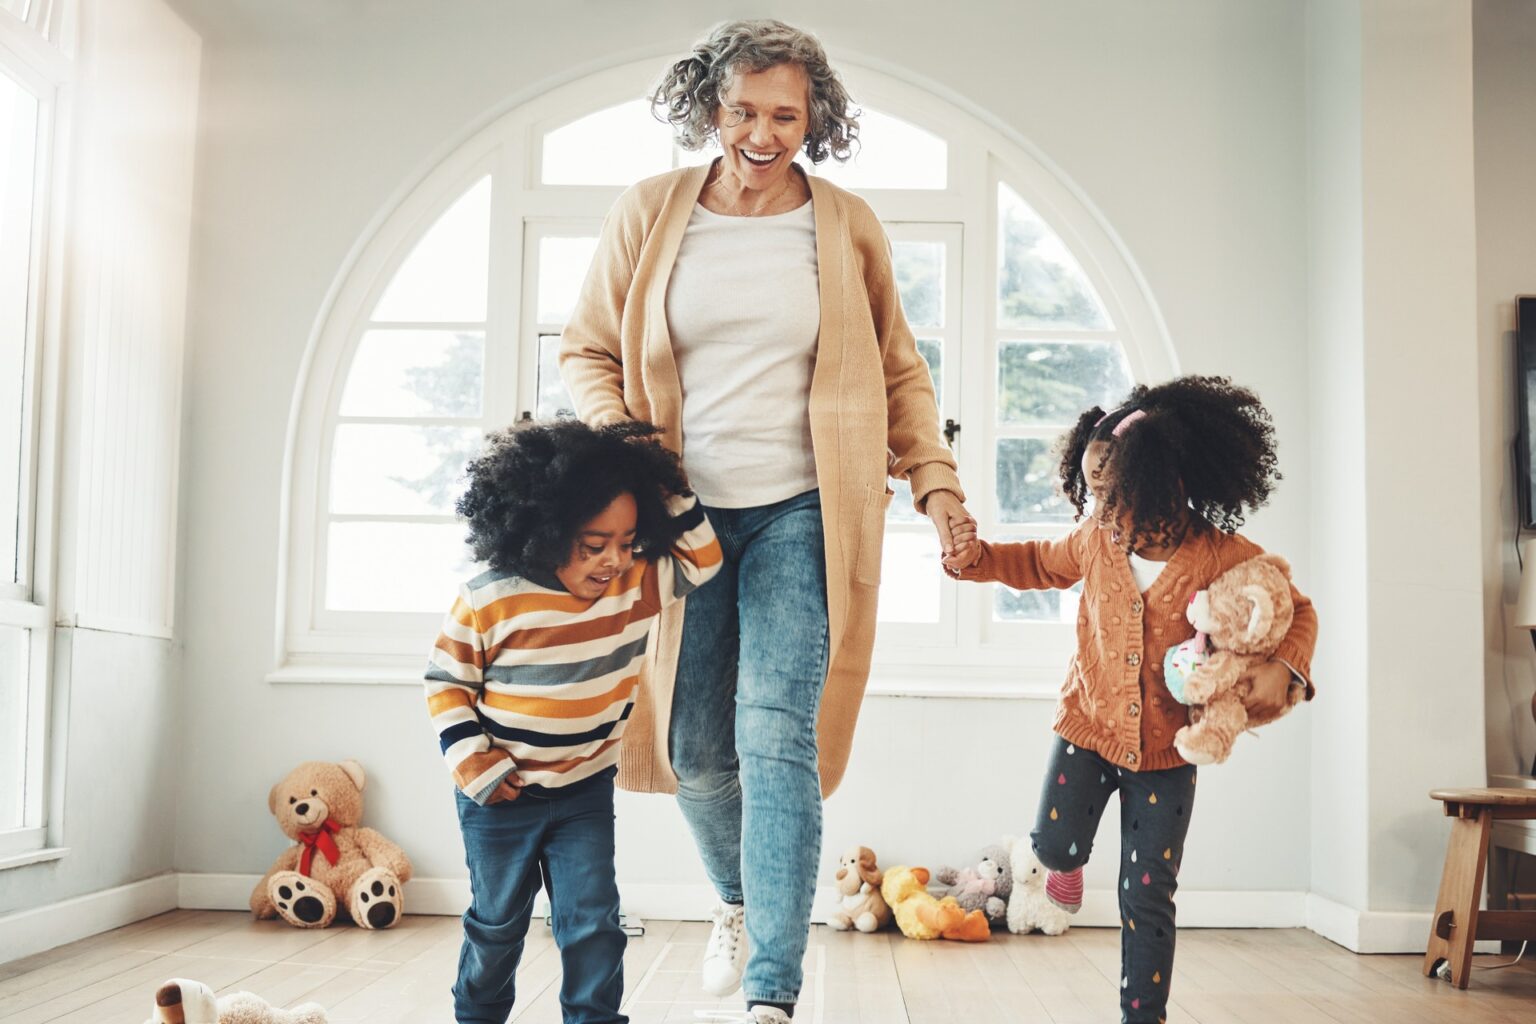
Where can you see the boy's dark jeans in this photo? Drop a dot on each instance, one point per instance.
(564, 843)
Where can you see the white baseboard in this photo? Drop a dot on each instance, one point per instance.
(32, 931)
(1197, 909)
(1375, 931)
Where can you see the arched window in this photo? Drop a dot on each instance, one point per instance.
(446, 324)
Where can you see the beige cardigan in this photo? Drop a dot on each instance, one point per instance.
(872, 412)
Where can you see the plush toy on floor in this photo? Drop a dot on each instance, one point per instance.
(180, 1001)
(859, 903)
(1239, 621)
(336, 864)
(984, 887)
(920, 916)
(1028, 907)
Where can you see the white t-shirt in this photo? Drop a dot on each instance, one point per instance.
(1145, 572)
(744, 312)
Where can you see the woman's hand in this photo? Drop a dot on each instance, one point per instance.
(1268, 687)
(967, 549)
(956, 528)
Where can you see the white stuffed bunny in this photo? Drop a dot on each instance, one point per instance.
(1028, 908)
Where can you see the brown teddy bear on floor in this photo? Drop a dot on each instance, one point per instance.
(336, 863)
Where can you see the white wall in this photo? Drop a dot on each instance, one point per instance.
(1505, 38)
(1396, 445)
(1183, 122)
(1336, 391)
(126, 203)
(121, 764)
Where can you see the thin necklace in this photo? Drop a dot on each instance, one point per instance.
(788, 180)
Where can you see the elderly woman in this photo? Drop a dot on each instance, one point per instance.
(752, 311)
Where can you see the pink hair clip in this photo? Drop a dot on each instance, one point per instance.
(1125, 424)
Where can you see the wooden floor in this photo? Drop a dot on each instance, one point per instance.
(403, 975)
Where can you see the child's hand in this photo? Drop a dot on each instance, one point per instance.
(1268, 688)
(966, 549)
(510, 789)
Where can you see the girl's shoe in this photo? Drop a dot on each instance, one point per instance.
(1065, 889)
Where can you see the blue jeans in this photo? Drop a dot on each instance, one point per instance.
(566, 843)
(743, 734)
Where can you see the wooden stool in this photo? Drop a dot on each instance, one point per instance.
(1458, 923)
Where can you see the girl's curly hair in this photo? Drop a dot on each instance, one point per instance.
(537, 483)
(1203, 444)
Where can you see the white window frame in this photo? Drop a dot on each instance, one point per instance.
(966, 653)
(34, 52)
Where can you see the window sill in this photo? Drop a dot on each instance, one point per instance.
(970, 682)
(21, 860)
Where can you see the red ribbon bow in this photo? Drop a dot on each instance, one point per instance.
(323, 840)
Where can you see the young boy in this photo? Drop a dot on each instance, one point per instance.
(589, 533)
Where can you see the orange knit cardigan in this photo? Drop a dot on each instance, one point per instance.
(1114, 701)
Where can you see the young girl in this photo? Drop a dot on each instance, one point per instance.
(589, 533)
(1172, 473)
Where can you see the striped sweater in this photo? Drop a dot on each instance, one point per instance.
(528, 678)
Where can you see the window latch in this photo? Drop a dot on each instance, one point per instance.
(951, 429)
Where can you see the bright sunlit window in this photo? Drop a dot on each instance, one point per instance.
(26, 107)
(456, 333)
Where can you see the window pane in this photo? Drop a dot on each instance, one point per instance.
(919, 268)
(910, 577)
(891, 153)
(554, 400)
(385, 469)
(14, 653)
(395, 567)
(1052, 382)
(901, 510)
(416, 373)
(563, 266)
(616, 146)
(1026, 483)
(1010, 605)
(932, 351)
(1035, 605)
(18, 165)
(16, 7)
(1040, 283)
(445, 277)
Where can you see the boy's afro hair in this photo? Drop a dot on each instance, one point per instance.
(1204, 444)
(537, 483)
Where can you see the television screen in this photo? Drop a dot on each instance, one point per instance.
(1525, 346)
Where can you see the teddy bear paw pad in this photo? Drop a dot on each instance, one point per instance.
(377, 900)
(301, 901)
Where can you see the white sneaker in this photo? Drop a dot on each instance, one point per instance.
(725, 957)
(756, 1015)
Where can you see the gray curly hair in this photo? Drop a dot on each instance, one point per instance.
(689, 96)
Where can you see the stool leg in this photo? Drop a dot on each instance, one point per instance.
(1453, 929)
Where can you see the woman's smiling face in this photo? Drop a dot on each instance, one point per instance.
(762, 121)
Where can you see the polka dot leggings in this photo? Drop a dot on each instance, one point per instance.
(1154, 819)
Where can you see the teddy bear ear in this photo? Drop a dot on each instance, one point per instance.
(1263, 613)
(1277, 562)
(354, 772)
(272, 798)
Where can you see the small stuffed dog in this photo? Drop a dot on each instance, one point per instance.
(180, 1001)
